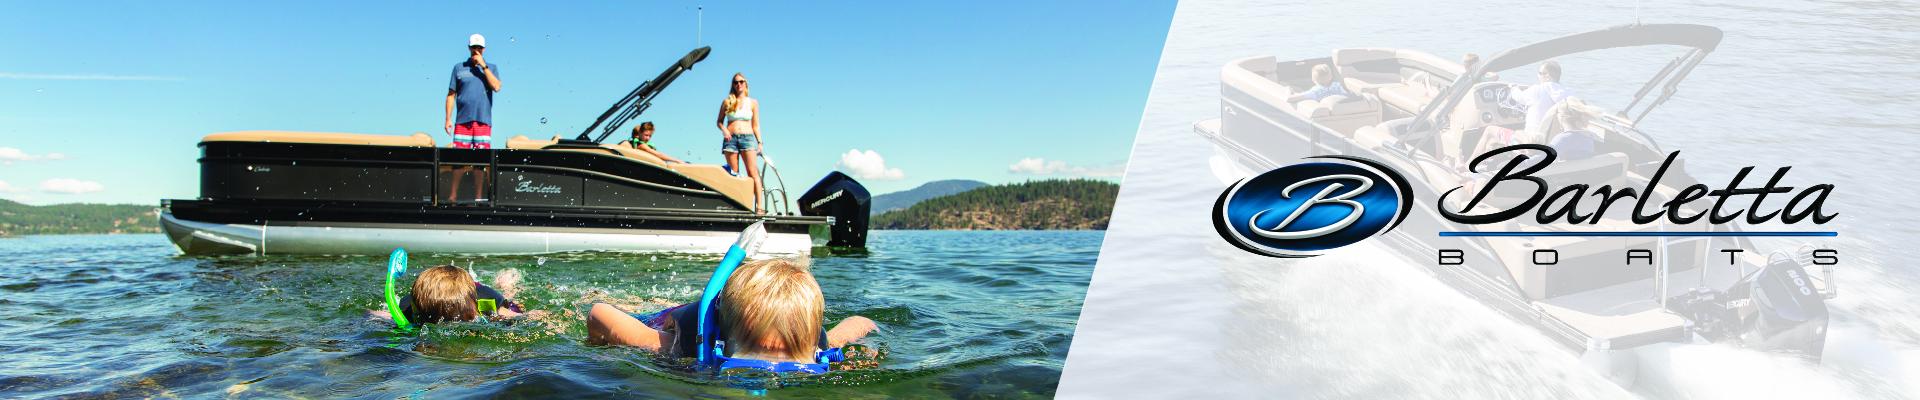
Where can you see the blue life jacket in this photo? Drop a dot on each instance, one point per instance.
(710, 349)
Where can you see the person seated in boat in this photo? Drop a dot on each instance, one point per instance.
(1574, 142)
(1323, 86)
(451, 294)
(1572, 121)
(642, 134)
(769, 310)
(1540, 98)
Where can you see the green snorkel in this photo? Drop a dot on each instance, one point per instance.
(396, 266)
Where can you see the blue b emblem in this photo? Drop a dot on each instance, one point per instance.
(1298, 210)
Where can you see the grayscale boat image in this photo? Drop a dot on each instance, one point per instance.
(1426, 116)
(341, 193)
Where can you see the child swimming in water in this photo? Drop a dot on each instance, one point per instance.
(448, 294)
(775, 313)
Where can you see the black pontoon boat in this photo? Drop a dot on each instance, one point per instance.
(334, 193)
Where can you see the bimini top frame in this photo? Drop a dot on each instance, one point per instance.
(1701, 40)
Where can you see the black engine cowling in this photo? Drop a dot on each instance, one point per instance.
(839, 196)
(1774, 309)
(1790, 314)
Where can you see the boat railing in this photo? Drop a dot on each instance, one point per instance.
(1829, 287)
(781, 207)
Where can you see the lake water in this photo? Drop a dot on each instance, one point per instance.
(962, 314)
(1826, 87)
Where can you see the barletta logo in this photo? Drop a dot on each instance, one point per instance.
(1300, 210)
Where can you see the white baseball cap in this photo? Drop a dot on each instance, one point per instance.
(477, 40)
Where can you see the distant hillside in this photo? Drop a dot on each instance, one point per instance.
(907, 198)
(1048, 204)
(21, 219)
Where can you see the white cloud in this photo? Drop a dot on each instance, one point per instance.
(8, 188)
(8, 155)
(86, 77)
(70, 186)
(867, 165)
(1040, 166)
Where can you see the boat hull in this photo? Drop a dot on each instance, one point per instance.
(318, 237)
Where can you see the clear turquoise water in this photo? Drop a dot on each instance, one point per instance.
(963, 314)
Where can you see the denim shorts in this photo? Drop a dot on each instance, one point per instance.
(739, 143)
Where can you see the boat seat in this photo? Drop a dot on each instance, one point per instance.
(1342, 114)
(1403, 79)
(521, 142)
(738, 188)
(1412, 95)
(1367, 66)
(417, 139)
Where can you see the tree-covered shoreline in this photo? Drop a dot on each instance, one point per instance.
(18, 219)
(1070, 204)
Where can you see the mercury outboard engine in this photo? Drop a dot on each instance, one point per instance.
(1789, 313)
(839, 196)
(1774, 309)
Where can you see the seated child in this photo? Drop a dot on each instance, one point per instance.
(642, 136)
(1323, 86)
(774, 310)
(449, 294)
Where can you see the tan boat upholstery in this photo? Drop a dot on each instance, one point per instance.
(1404, 79)
(522, 142)
(738, 188)
(417, 139)
(1342, 114)
(1349, 63)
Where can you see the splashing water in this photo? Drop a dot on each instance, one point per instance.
(983, 314)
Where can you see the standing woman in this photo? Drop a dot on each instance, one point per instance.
(739, 124)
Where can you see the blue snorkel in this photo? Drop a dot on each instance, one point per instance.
(396, 266)
(711, 351)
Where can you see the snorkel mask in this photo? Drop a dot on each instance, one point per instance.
(396, 268)
(711, 349)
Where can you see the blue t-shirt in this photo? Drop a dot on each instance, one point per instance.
(471, 100)
(1575, 144)
(1320, 92)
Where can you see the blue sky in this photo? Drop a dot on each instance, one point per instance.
(105, 104)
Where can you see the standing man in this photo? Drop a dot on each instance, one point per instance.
(470, 109)
(470, 93)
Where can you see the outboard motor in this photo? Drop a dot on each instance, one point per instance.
(839, 196)
(1789, 312)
